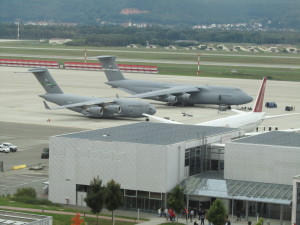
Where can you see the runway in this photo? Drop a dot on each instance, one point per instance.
(24, 119)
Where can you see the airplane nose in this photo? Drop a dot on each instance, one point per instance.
(250, 99)
(152, 110)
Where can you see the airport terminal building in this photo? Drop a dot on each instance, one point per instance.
(252, 175)
(258, 177)
(147, 159)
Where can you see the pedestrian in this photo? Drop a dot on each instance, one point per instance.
(191, 215)
(199, 214)
(186, 214)
(238, 215)
(202, 217)
(159, 212)
(166, 212)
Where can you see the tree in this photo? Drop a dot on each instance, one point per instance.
(76, 220)
(260, 221)
(176, 199)
(28, 192)
(95, 197)
(113, 197)
(217, 213)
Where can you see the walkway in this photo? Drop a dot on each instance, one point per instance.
(153, 218)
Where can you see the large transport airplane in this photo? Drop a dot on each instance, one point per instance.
(246, 120)
(89, 106)
(173, 94)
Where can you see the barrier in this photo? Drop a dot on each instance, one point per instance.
(76, 65)
(28, 63)
(122, 67)
(82, 66)
(19, 167)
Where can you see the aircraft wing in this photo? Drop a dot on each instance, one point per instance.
(281, 115)
(161, 119)
(80, 104)
(168, 91)
(262, 132)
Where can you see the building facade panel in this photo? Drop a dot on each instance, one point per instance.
(261, 163)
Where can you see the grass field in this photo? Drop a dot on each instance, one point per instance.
(183, 62)
(58, 218)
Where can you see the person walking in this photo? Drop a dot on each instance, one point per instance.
(191, 215)
(202, 217)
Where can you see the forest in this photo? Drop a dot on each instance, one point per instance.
(156, 35)
(273, 14)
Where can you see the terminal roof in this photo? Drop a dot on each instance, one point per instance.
(197, 185)
(150, 133)
(279, 138)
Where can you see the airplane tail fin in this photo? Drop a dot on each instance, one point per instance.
(110, 67)
(46, 80)
(260, 97)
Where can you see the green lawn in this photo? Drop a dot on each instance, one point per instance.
(36, 48)
(61, 219)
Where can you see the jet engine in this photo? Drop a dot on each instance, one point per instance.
(113, 108)
(95, 111)
(184, 97)
(171, 99)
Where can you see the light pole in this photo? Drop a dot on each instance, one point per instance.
(18, 23)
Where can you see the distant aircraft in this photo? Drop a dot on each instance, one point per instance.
(246, 120)
(173, 94)
(89, 106)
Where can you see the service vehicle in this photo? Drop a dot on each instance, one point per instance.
(45, 153)
(11, 147)
(4, 149)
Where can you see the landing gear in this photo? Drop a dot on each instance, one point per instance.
(224, 107)
(180, 104)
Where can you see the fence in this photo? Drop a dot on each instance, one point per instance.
(75, 65)
(122, 67)
(28, 63)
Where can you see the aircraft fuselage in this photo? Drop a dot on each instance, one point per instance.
(207, 94)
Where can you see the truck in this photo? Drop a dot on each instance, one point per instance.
(45, 153)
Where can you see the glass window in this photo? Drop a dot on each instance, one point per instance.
(143, 194)
(130, 193)
(155, 195)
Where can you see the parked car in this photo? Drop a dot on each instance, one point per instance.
(271, 105)
(45, 153)
(11, 147)
(4, 149)
(289, 108)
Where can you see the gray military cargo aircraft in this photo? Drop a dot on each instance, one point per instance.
(89, 106)
(173, 94)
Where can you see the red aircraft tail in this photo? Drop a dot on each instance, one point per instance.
(260, 97)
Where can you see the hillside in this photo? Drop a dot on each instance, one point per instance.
(275, 13)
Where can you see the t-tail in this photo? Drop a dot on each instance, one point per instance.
(110, 68)
(260, 97)
(46, 80)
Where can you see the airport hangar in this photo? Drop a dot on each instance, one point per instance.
(254, 175)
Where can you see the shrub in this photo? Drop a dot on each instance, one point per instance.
(26, 192)
(33, 201)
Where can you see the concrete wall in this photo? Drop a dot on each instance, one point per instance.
(151, 168)
(295, 202)
(261, 163)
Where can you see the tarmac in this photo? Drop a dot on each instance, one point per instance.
(24, 121)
